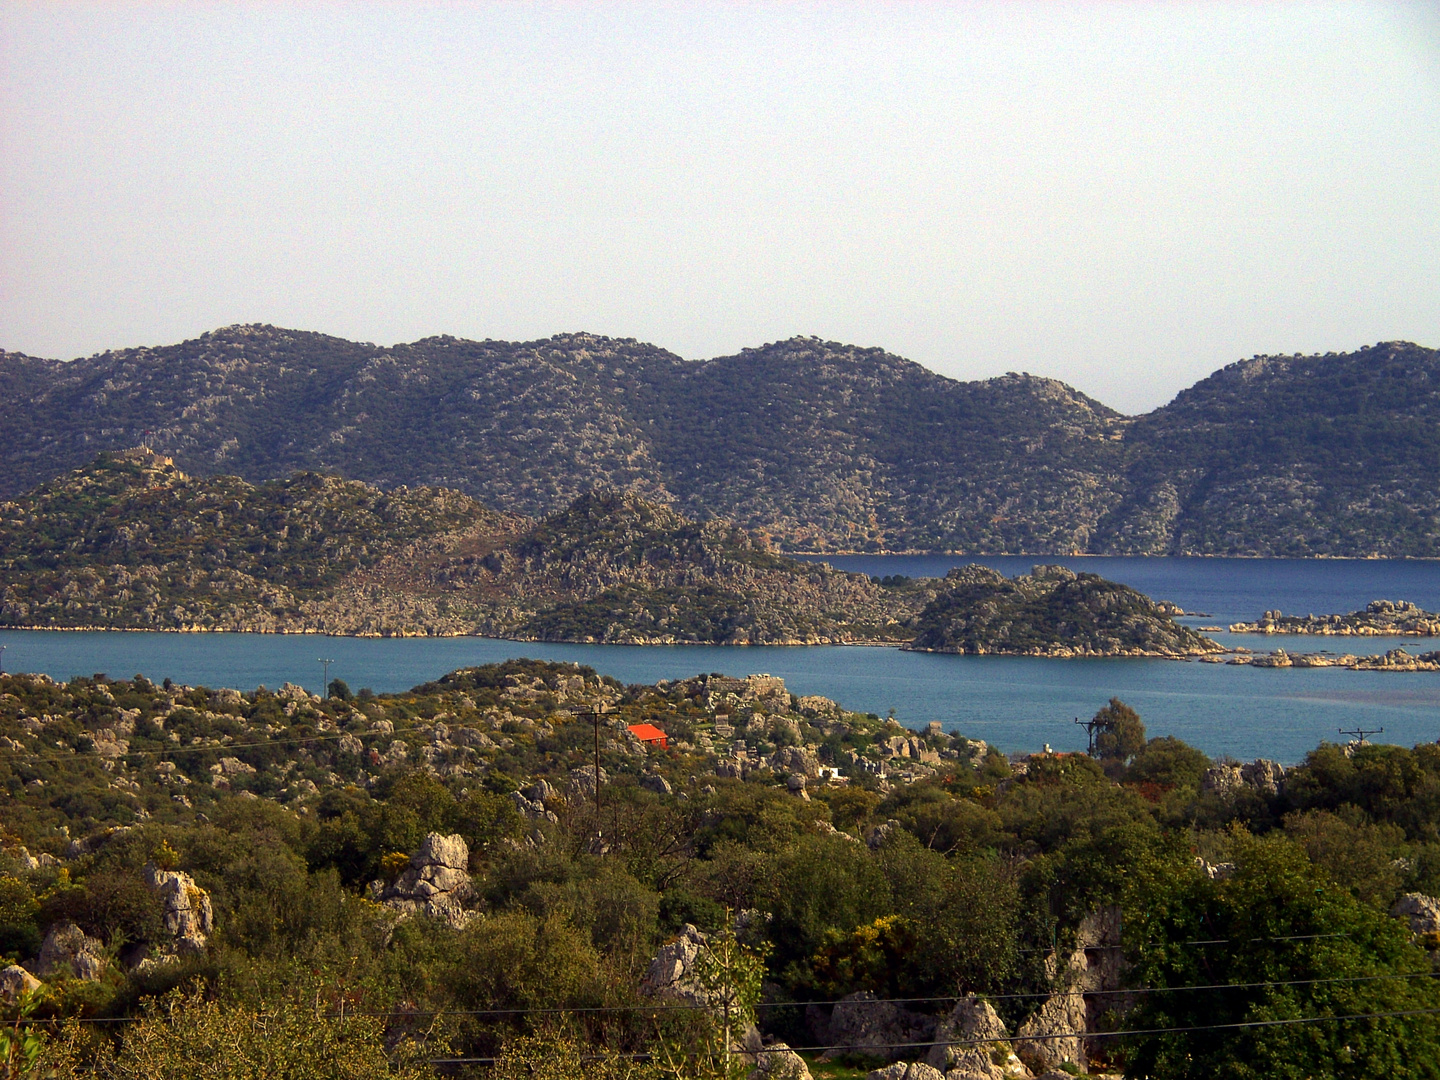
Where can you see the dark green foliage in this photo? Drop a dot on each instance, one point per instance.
(1391, 784)
(114, 906)
(960, 882)
(1275, 893)
(1168, 763)
(1290, 456)
(129, 542)
(1119, 732)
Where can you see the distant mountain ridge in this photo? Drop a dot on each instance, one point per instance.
(823, 446)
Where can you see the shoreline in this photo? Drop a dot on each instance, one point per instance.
(1098, 555)
(1229, 657)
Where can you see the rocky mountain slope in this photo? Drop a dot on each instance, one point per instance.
(824, 446)
(1289, 456)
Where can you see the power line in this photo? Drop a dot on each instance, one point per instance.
(1238, 1025)
(667, 1006)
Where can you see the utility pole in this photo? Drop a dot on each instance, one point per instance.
(596, 713)
(2, 659)
(1090, 727)
(324, 677)
(1362, 735)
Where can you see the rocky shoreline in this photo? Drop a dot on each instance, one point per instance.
(1381, 618)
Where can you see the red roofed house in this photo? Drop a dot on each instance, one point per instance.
(650, 735)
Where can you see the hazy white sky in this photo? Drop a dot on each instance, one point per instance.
(1121, 195)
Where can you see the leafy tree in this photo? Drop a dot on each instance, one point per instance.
(1298, 957)
(1168, 762)
(1119, 732)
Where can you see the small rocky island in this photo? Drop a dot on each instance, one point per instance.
(1381, 618)
(1051, 612)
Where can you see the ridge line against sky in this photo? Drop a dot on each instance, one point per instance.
(963, 378)
(1124, 197)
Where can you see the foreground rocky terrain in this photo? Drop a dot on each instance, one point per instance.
(824, 446)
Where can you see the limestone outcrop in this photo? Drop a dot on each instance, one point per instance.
(1420, 911)
(1054, 1035)
(68, 952)
(907, 1070)
(860, 1024)
(186, 910)
(772, 1061)
(436, 883)
(671, 974)
(15, 981)
(1261, 776)
(971, 1042)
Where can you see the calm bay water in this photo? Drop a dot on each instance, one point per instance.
(1013, 702)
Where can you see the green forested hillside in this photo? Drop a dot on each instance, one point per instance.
(131, 542)
(824, 446)
(1051, 611)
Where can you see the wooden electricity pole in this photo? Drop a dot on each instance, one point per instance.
(596, 713)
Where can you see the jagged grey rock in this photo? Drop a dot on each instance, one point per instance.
(966, 1042)
(436, 883)
(671, 974)
(906, 1070)
(775, 1061)
(860, 1024)
(68, 950)
(656, 783)
(14, 981)
(1054, 1035)
(1422, 912)
(187, 913)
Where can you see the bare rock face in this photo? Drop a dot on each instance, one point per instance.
(1422, 912)
(1262, 776)
(907, 1070)
(436, 883)
(671, 975)
(1054, 1035)
(861, 1025)
(971, 1042)
(656, 783)
(773, 1061)
(69, 951)
(188, 916)
(15, 981)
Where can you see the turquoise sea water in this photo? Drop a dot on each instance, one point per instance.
(1016, 703)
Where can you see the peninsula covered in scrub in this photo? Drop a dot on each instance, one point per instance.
(133, 543)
